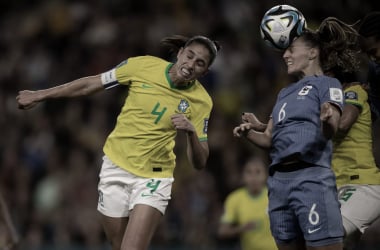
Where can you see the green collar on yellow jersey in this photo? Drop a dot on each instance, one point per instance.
(170, 81)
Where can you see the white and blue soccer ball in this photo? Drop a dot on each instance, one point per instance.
(280, 25)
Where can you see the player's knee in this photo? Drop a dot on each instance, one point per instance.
(114, 239)
(114, 229)
(116, 242)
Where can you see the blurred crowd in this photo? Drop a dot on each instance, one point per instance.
(50, 156)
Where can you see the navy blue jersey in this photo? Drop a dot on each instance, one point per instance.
(297, 132)
(374, 88)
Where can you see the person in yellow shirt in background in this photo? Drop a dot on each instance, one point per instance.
(246, 210)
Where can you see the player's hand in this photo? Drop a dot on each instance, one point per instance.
(242, 129)
(27, 99)
(180, 122)
(326, 111)
(251, 118)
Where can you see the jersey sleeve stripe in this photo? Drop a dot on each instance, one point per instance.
(111, 85)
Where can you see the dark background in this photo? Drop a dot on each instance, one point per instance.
(50, 156)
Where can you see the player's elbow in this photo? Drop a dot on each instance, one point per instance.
(343, 127)
(88, 85)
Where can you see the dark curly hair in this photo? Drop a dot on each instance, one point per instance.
(338, 44)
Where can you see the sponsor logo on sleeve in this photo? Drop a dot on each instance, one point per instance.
(205, 126)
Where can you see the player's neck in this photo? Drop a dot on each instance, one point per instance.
(177, 81)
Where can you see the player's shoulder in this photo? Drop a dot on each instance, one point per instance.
(356, 88)
(355, 93)
(202, 93)
(324, 80)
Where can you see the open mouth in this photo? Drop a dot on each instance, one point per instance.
(186, 73)
(289, 63)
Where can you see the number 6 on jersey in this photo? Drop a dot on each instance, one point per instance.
(282, 113)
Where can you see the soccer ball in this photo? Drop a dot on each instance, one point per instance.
(280, 25)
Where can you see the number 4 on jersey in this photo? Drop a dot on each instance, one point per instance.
(159, 114)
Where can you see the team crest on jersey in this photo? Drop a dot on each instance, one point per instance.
(351, 95)
(336, 95)
(183, 106)
(305, 90)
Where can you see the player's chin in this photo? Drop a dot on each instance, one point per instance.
(290, 71)
(190, 77)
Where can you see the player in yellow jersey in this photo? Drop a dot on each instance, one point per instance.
(137, 171)
(246, 210)
(357, 175)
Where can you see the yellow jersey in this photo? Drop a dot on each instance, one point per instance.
(241, 208)
(353, 161)
(142, 141)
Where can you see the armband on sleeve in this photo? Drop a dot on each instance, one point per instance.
(109, 79)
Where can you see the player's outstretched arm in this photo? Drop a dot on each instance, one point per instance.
(84, 86)
(330, 116)
(261, 139)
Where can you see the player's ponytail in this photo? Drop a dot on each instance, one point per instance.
(174, 43)
(339, 46)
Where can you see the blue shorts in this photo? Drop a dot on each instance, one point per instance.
(304, 204)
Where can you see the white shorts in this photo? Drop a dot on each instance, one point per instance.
(120, 190)
(360, 206)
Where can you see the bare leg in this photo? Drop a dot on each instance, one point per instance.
(142, 224)
(114, 229)
(371, 236)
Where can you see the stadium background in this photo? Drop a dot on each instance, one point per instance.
(50, 156)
